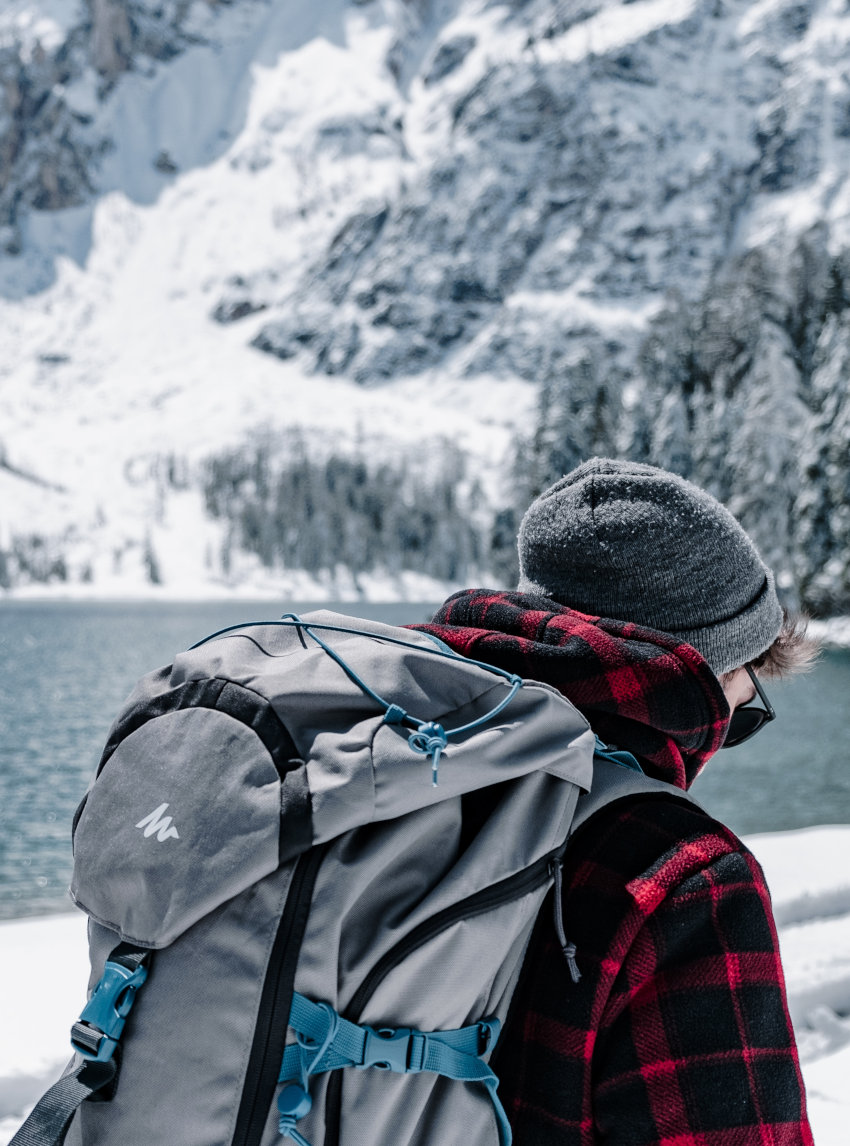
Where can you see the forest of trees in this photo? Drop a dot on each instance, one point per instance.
(297, 511)
(740, 391)
(743, 391)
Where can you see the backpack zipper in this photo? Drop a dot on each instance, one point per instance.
(264, 1061)
(514, 887)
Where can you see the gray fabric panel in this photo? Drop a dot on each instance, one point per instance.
(458, 976)
(335, 724)
(435, 988)
(199, 773)
(341, 780)
(376, 886)
(378, 883)
(369, 884)
(380, 1108)
(536, 732)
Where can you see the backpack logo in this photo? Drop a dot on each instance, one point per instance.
(158, 822)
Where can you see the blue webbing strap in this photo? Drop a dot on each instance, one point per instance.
(617, 756)
(326, 1041)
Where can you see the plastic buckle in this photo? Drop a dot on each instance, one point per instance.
(387, 1049)
(105, 1014)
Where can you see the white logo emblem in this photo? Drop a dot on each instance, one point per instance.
(158, 822)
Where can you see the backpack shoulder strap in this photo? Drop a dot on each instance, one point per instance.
(616, 775)
(94, 1038)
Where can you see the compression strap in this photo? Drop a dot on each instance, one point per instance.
(326, 1041)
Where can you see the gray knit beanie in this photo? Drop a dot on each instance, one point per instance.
(635, 543)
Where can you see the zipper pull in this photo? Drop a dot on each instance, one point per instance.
(569, 949)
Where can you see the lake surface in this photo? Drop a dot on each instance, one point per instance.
(66, 667)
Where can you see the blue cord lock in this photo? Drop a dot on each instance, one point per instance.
(96, 1034)
(293, 1103)
(430, 739)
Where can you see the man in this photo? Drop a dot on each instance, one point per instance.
(643, 600)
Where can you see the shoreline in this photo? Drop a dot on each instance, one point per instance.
(832, 632)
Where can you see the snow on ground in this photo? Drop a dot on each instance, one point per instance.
(255, 583)
(808, 873)
(43, 971)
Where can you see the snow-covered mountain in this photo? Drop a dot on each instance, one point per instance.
(315, 296)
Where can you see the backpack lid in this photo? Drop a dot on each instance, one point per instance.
(257, 744)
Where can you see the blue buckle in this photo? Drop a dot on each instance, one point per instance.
(105, 1014)
(387, 1049)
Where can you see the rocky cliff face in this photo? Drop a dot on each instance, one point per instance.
(53, 79)
(637, 211)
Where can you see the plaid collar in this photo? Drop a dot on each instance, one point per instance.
(640, 689)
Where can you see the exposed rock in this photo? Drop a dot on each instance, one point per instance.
(242, 298)
(448, 58)
(165, 164)
(231, 310)
(50, 149)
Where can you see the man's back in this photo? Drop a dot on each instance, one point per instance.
(678, 1031)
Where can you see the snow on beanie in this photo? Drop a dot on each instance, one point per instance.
(635, 543)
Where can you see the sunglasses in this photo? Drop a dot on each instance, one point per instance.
(746, 721)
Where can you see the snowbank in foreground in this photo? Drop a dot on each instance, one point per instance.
(808, 873)
(44, 969)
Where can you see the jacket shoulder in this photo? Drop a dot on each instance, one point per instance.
(654, 846)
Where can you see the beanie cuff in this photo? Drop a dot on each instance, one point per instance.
(732, 643)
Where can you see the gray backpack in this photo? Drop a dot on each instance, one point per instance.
(311, 859)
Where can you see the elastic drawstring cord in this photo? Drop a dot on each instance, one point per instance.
(428, 738)
(286, 1127)
(569, 949)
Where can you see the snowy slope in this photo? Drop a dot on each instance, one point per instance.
(533, 230)
(118, 363)
(807, 872)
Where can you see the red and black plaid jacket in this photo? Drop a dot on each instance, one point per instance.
(678, 1033)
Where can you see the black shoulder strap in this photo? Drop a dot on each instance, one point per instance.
(616, 776)
(94, 1036)
(48, 1124)
(613, 780)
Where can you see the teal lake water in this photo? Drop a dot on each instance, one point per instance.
(65, 668)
